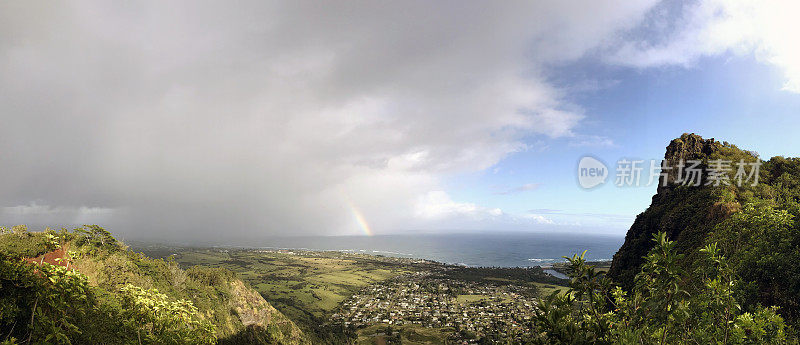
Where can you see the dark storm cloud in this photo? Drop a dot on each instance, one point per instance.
(242, 119)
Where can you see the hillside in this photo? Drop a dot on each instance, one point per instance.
(686, 213)
(714, 261)
(754, 225)
(89, 288)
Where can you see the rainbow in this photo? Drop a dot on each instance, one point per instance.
(359, 217)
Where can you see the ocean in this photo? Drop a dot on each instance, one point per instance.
(500, 250)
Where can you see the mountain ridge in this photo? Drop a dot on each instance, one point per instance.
(134, 298)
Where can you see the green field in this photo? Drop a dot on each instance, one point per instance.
(309, 287)
(306, 286)
(547, 289)
(409, 335)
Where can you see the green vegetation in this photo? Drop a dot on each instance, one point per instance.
(306, 287)
(89, 289)
(763, 239)
(471, 298)
(753, 225)
(309, 287)
(548, 289)
(600, 266)
(19, 241)
(723, 269)
(163, 320)
(667, 305)
(687, 214)
(382, 334)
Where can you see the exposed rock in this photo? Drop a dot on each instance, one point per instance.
(254, 311)
(681, 211)
(686, 148)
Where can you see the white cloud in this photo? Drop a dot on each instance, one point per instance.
(767, 29)
(592, 141)
(523, 188)
(602, 220)
(437, 207)
(538, 218)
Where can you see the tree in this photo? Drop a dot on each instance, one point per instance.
(98, 237)
(19, 230)
(763, 243)
(667, 305)
(51, 242)
(43, 304)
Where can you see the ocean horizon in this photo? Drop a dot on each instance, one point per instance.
(470, 249)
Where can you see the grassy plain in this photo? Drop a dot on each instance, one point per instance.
(306, 286)
(547, 289)
(409, 334)
(471, 298)
(309, 286)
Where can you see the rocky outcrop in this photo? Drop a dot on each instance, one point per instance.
(685, 213)
(686, 148)
(254, 311)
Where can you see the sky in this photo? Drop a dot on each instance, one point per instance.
(217, 120)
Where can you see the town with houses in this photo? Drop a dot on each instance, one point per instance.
(471, 309)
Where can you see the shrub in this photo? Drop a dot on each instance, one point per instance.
(159, 320)
(666, 306)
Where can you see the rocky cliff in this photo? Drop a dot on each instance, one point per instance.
(686, 213)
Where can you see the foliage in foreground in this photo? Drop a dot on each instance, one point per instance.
(763, 244)
(102, 293)
(163, 320)
(666, 306)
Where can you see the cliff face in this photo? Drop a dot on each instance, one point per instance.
(685, 213)
(754, 223)
(687, 147)
(254, 311)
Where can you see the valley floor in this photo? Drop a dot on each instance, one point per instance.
(381, 300)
